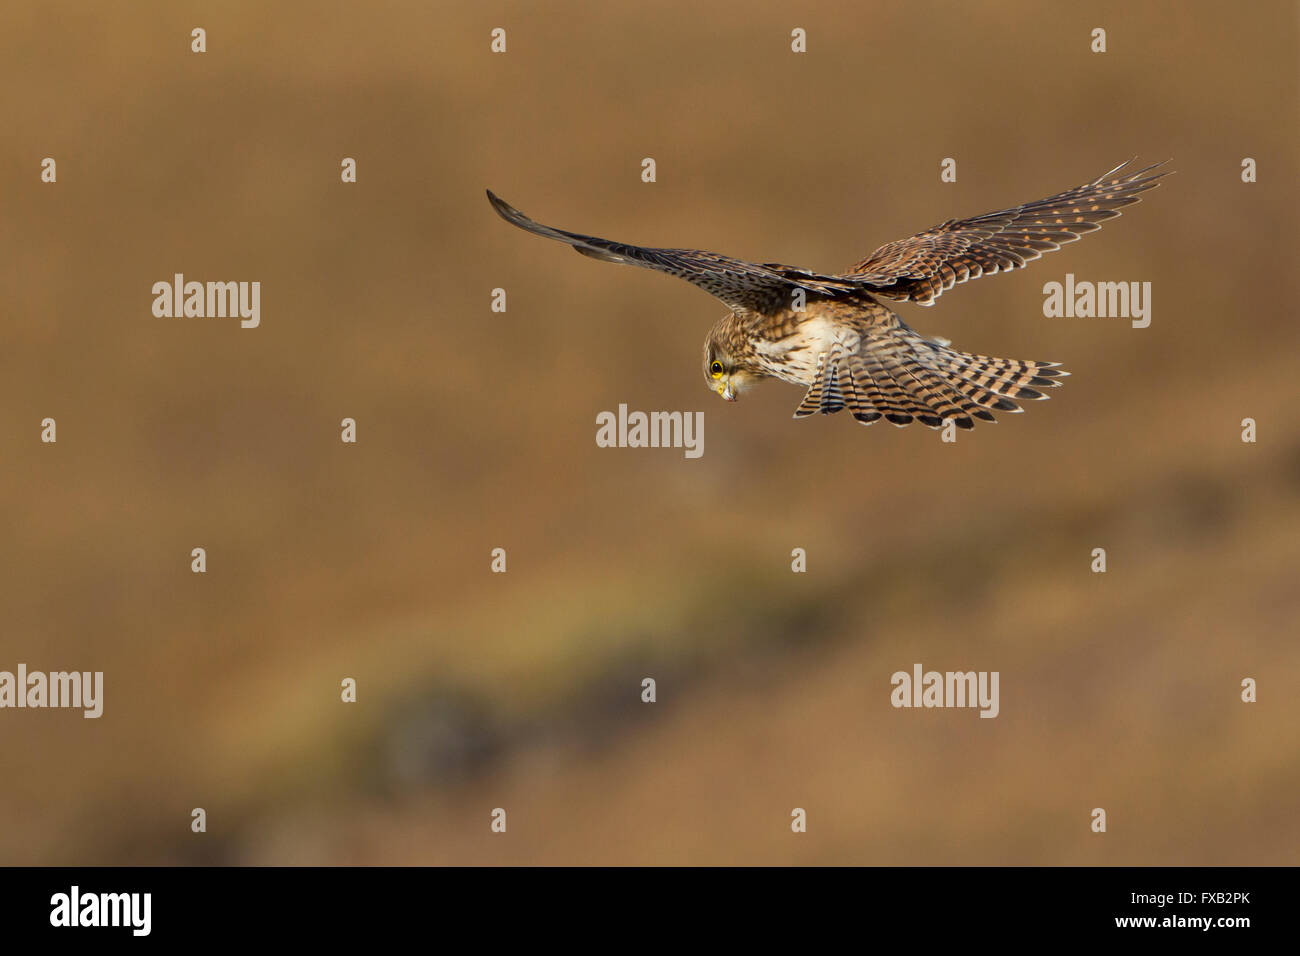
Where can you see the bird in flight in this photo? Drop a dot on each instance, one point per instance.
(833, 335)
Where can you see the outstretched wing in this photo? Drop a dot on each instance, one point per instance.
(744, 286)
(926, 265)
(886, 370)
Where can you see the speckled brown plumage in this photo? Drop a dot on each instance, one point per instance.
(831, 333)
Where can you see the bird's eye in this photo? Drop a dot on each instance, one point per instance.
(716, 370)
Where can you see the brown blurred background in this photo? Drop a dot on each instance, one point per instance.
(476, 431)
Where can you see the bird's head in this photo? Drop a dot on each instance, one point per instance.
(723, 373)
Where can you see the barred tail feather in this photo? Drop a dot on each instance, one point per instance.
(903, 377)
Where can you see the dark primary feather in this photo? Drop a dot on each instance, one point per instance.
(744, 286)
(926, 265)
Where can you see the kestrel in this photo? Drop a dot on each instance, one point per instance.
(832, 334)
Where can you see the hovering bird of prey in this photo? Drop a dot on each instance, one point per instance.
(832, 334)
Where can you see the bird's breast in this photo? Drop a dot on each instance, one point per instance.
(789, 351)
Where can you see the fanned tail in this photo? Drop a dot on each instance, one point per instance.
(900, 376)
